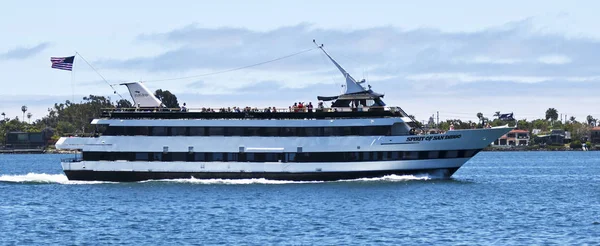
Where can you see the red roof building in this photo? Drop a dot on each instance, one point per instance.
(514, 138)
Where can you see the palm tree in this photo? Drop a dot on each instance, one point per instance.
(590, 119)
(497, 114)
(29, 117)
(3, 116)
(572, 119)
(480, 117)
(24, 109)
(551, 114)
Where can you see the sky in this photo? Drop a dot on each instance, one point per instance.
(457, 58)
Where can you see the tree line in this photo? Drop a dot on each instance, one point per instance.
(70, 118)
(75, 118)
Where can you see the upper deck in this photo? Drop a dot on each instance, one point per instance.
(252, 113)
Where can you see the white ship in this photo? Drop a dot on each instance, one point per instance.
(357, 137)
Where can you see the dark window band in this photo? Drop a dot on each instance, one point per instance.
(278, 157)
(249, 131)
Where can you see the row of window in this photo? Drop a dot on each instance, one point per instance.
(248, 131)
(277, 157)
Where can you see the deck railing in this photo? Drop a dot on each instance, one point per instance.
(257, 110)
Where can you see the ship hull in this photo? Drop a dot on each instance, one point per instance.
(124, 171)
(126, 176)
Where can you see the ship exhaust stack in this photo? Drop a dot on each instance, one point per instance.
(142, 96)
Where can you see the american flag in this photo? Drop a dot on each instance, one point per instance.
(64, 63)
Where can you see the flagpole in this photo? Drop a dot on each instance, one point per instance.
(114, 91)
(72, 85)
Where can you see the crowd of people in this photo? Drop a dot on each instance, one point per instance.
(296, 108)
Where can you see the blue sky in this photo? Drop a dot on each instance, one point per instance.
(455, 57)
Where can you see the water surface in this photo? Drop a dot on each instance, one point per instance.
(496, 198)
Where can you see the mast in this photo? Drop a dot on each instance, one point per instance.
(351, 85)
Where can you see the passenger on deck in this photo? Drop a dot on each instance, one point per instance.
(183, 108)
(274, 110)
(309, 107)
(320, 107)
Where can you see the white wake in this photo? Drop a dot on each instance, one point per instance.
(392, 178)
(42, 178)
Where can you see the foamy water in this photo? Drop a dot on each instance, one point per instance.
(44, 178)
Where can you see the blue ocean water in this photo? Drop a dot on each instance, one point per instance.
(497, 198)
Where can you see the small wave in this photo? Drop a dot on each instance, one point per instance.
(393, 178)
(43, 178)
(387, 178)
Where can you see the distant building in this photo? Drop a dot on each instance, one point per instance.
(556, 137)
(514, 138)
(595, 135)
(25, 140)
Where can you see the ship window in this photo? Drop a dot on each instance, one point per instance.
(235, 131)
(232, 157)
(312, 131)
(141, 131)
(217, 156)
(121, 156)
(277, 157)
(288, 131)
(411, 155)
(197, 131)
(142, 156)
(367, 131)
(291, 157)
(327, 131)
(216, 131)
(260, 157)
(366, 156)
(199, 156)
(178, 156)
(443, 154)
(386, 156)
(270, 131)
(451, 154)
(167, 156)
(93, 156)
(158, 131)
(115, 131)
(251, 131)
(433, 154)
(179, 131)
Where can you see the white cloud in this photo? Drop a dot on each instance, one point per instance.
(554, 59)
(488, 60)
(455, 78)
